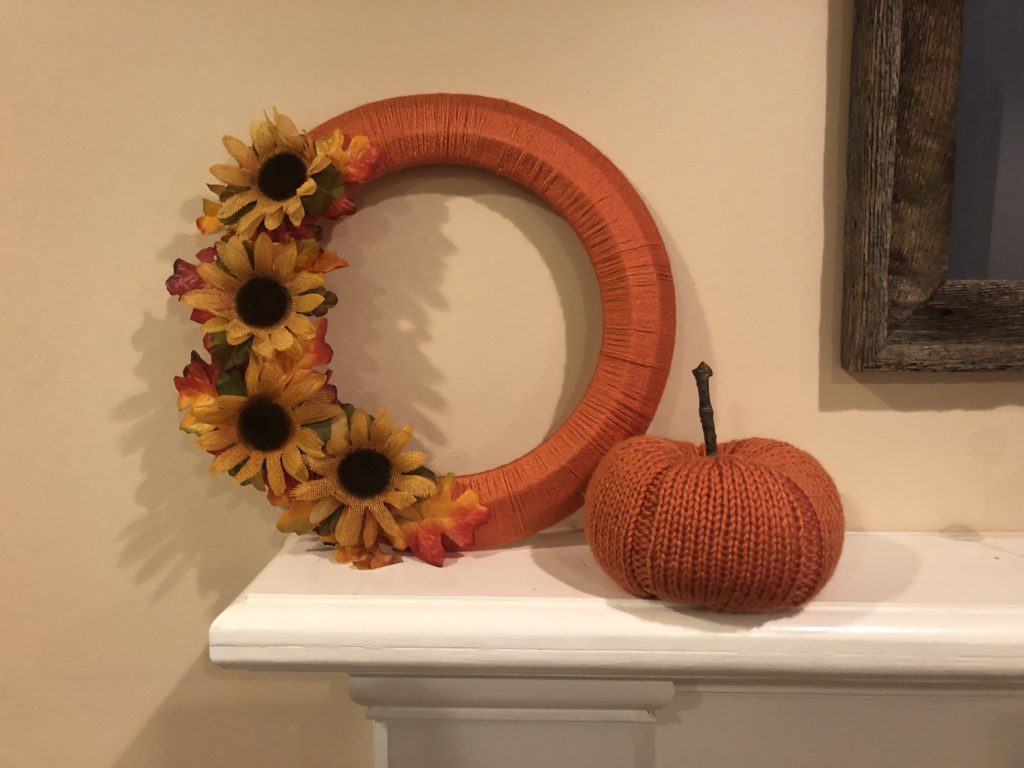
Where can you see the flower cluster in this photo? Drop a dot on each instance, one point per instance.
(270, 418)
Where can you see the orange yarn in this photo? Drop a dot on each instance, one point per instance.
(755, 528)
(637, 296)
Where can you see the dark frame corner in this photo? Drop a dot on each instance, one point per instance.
(900, 312)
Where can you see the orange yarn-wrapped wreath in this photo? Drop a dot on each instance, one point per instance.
(637, 297)
(273, 420)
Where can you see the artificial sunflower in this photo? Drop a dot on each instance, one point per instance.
(263, 297)
(267, 429)
(273, 177)
(366, 477)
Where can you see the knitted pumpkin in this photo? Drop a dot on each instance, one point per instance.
(752, 525)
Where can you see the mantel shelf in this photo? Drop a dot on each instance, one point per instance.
(901, 608)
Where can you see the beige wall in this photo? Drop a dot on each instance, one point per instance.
(728, 117)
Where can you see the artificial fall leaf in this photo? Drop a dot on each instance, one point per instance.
(209, 222)
(425, 523)
(198, 381)
(186, 275)
(354, 157)
(343, 206)
(316, 351)
(197, 385)
(364, 558)
(310, 257)
(295, 519)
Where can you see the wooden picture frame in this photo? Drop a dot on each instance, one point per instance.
(900, 312)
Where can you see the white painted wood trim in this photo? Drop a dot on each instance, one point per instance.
(914, 608)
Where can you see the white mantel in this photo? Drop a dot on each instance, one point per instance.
(530, 654)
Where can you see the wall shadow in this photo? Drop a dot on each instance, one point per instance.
(398, 312)
(839, 390)
(210, 718)
(191, 523)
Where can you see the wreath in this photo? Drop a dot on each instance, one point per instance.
(263, 407)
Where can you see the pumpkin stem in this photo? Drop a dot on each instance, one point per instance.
(702, 373)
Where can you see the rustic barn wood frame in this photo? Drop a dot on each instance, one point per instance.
(900, 312)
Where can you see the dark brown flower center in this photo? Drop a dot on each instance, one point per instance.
(264, 425)
(281, 175)
(364, 473)
(262, 302)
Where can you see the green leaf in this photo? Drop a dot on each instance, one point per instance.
(330, 300)
(326, 527)
(230, 381)
(424, 472)
(322, 428)
(229, 356)
(329, 186)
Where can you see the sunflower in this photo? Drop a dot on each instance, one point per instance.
(266, 430)
(366, 475)
(272, 177)
(263, 297)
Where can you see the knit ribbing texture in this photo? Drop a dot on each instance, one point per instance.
(759, 527)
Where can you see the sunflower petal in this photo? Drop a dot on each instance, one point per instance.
(237, 332)
(359, 429)
(307, 302)
(272, 219)
(217, 440)
(235, 203)
(321, 465)
(216, 276)
(281, 338)
(398, 440)
(308, 441)
(263, 141)
(250, 469)
(232, 174)
(261, 346)
(242, 153)
(323, 509)
(263, 255)
(283, 269)
(370, 531)
(408, 461)
(228, 459)
(387, 523)
(215, 325)
(338, 443)
(315, 489)
(293, 465)
(275, 473)
(236, 259)
(304, 281)
(349, 525)
(415, 484)
(208, 299)
(381, 429)
(313, 411)
(302, 387)
(399, 499)
(301, 326)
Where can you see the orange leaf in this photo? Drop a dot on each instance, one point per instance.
(364, 558)
(429, 522)
(197, 383)
(295, 519)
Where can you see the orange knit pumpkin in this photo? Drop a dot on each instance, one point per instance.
(751, 525)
